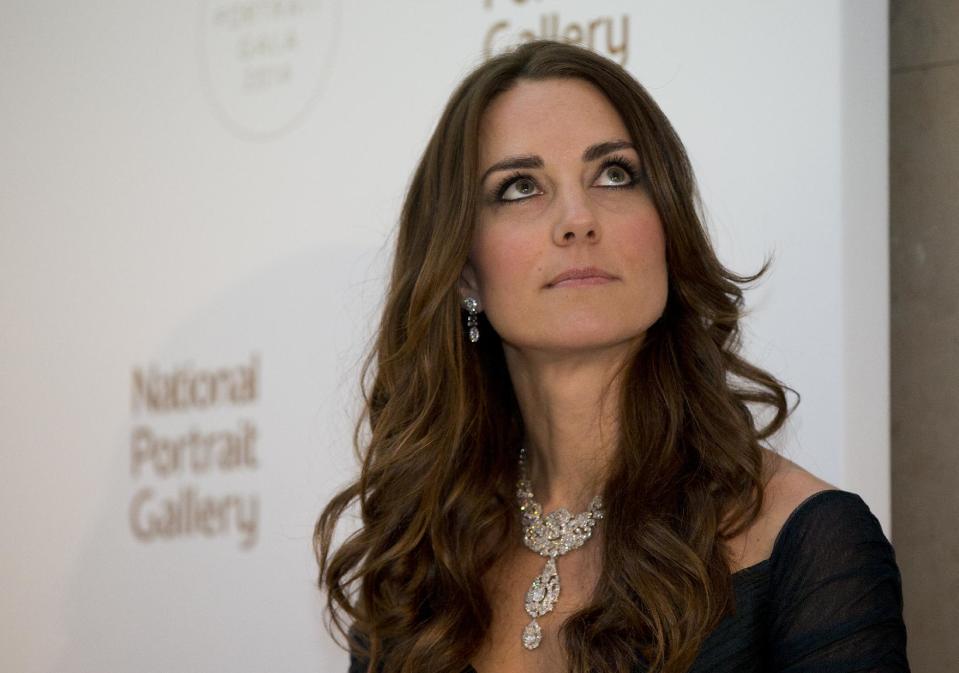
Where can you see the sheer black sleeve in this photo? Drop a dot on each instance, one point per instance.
(835, 591)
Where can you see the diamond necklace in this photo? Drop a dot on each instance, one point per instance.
(550, 536)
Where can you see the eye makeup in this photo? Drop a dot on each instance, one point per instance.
(495, 195)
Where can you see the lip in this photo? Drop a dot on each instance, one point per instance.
(587, 275)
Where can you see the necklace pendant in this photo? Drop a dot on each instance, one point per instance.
(544, 591)
(532, 635)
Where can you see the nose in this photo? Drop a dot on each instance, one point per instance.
(576, 223)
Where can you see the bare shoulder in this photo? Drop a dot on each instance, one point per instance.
(787, 486)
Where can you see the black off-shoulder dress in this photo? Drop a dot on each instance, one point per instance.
(827, 600)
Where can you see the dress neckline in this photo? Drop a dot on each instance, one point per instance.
(749, 570)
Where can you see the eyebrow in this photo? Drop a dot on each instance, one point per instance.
(592, 153)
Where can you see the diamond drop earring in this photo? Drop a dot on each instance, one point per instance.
(471, 304)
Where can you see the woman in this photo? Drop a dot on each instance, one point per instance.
(559, 337)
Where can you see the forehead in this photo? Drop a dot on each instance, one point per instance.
(543, 115)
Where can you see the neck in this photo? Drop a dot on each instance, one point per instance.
(570, 408)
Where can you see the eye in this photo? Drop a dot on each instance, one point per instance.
(619, 171)
(617, 174)
(515, 187)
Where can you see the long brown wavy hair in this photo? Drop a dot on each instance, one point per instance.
(439, 462)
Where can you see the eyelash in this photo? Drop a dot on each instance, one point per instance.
(620, 161)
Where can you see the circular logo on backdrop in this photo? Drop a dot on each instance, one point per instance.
(265, 62)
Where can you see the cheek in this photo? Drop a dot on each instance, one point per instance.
(642, 239)
(642, 253)
(502, 260)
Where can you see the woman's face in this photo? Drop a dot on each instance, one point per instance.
(560, 191)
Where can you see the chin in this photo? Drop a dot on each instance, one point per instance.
(566, 340)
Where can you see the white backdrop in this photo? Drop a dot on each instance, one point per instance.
(197, 204)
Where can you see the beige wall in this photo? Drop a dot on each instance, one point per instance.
(924, 267)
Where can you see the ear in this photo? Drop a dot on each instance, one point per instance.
(468, 285)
